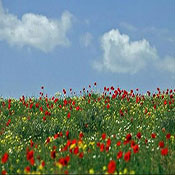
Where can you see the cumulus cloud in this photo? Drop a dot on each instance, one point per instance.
(124, 56)
(35, 30)
(86, 39)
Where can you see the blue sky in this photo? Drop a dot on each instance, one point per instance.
(74, 43)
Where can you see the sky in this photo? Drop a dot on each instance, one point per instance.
(73, 43)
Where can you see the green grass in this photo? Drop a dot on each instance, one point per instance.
(22, 128)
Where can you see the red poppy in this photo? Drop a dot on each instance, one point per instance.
(48, 140)
(153, 135)
(56, 136)
(67, 134)
(138, 135)
(164, 151)
(68, 115)
(66, 172)
(32, 161)
(168, 136)
(4, 172)
(81, 155)
(132, 143)
(108, 143)
(76, 150)
(30, 155)
(98, 144)
(108, 106)
(102, 146)
(136, 148)
(128, 137)
(107, 148)
(31, 143)
(161, 144)
(44, 118)
(53, 154)
(103, 136)
(119, 155)
(111, 166)
(127, 156)
(43, 163)
(27, 169)
(81, 135)
(77, 108)
(118, 143)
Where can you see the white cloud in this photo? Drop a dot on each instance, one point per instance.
(167, 64)
(124, 56)
(86, 39)
(35, 30)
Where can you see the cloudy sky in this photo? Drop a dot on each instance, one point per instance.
(74, 43)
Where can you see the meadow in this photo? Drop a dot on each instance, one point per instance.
(112, 132)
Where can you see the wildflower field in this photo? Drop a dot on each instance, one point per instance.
(115, 131)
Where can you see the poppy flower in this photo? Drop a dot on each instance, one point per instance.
(44, 118)
(118, 143)
(128, 137)
(53, 154)
(111, 166)
(43, 163)
(76, 150)
(98, 144)
(77, 108)
(27, 169)
(68, 115)
(30, 155)
(81, 135)
(66, 172)
(138, 135)
(168, 136)
(56, 136)
(127, 156)
(48, 140)
(81, 155)
(119, 155)
(136, 148)
(102, 147)
(108, 143)
(107, 148)
(67, 134)
(103, 136)
(4, 158)
(132, 143)
(4, 172)
(32, 161)
(164, 151)
(161, 144)
(108, 106)
(153, 135)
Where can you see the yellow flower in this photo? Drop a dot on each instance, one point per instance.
(91, 171)
(40, 167)
(125, 171)
(72, 146)
(18, 171)
(84, 147)
(104, 168)
(132, 172)
(59, 165)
